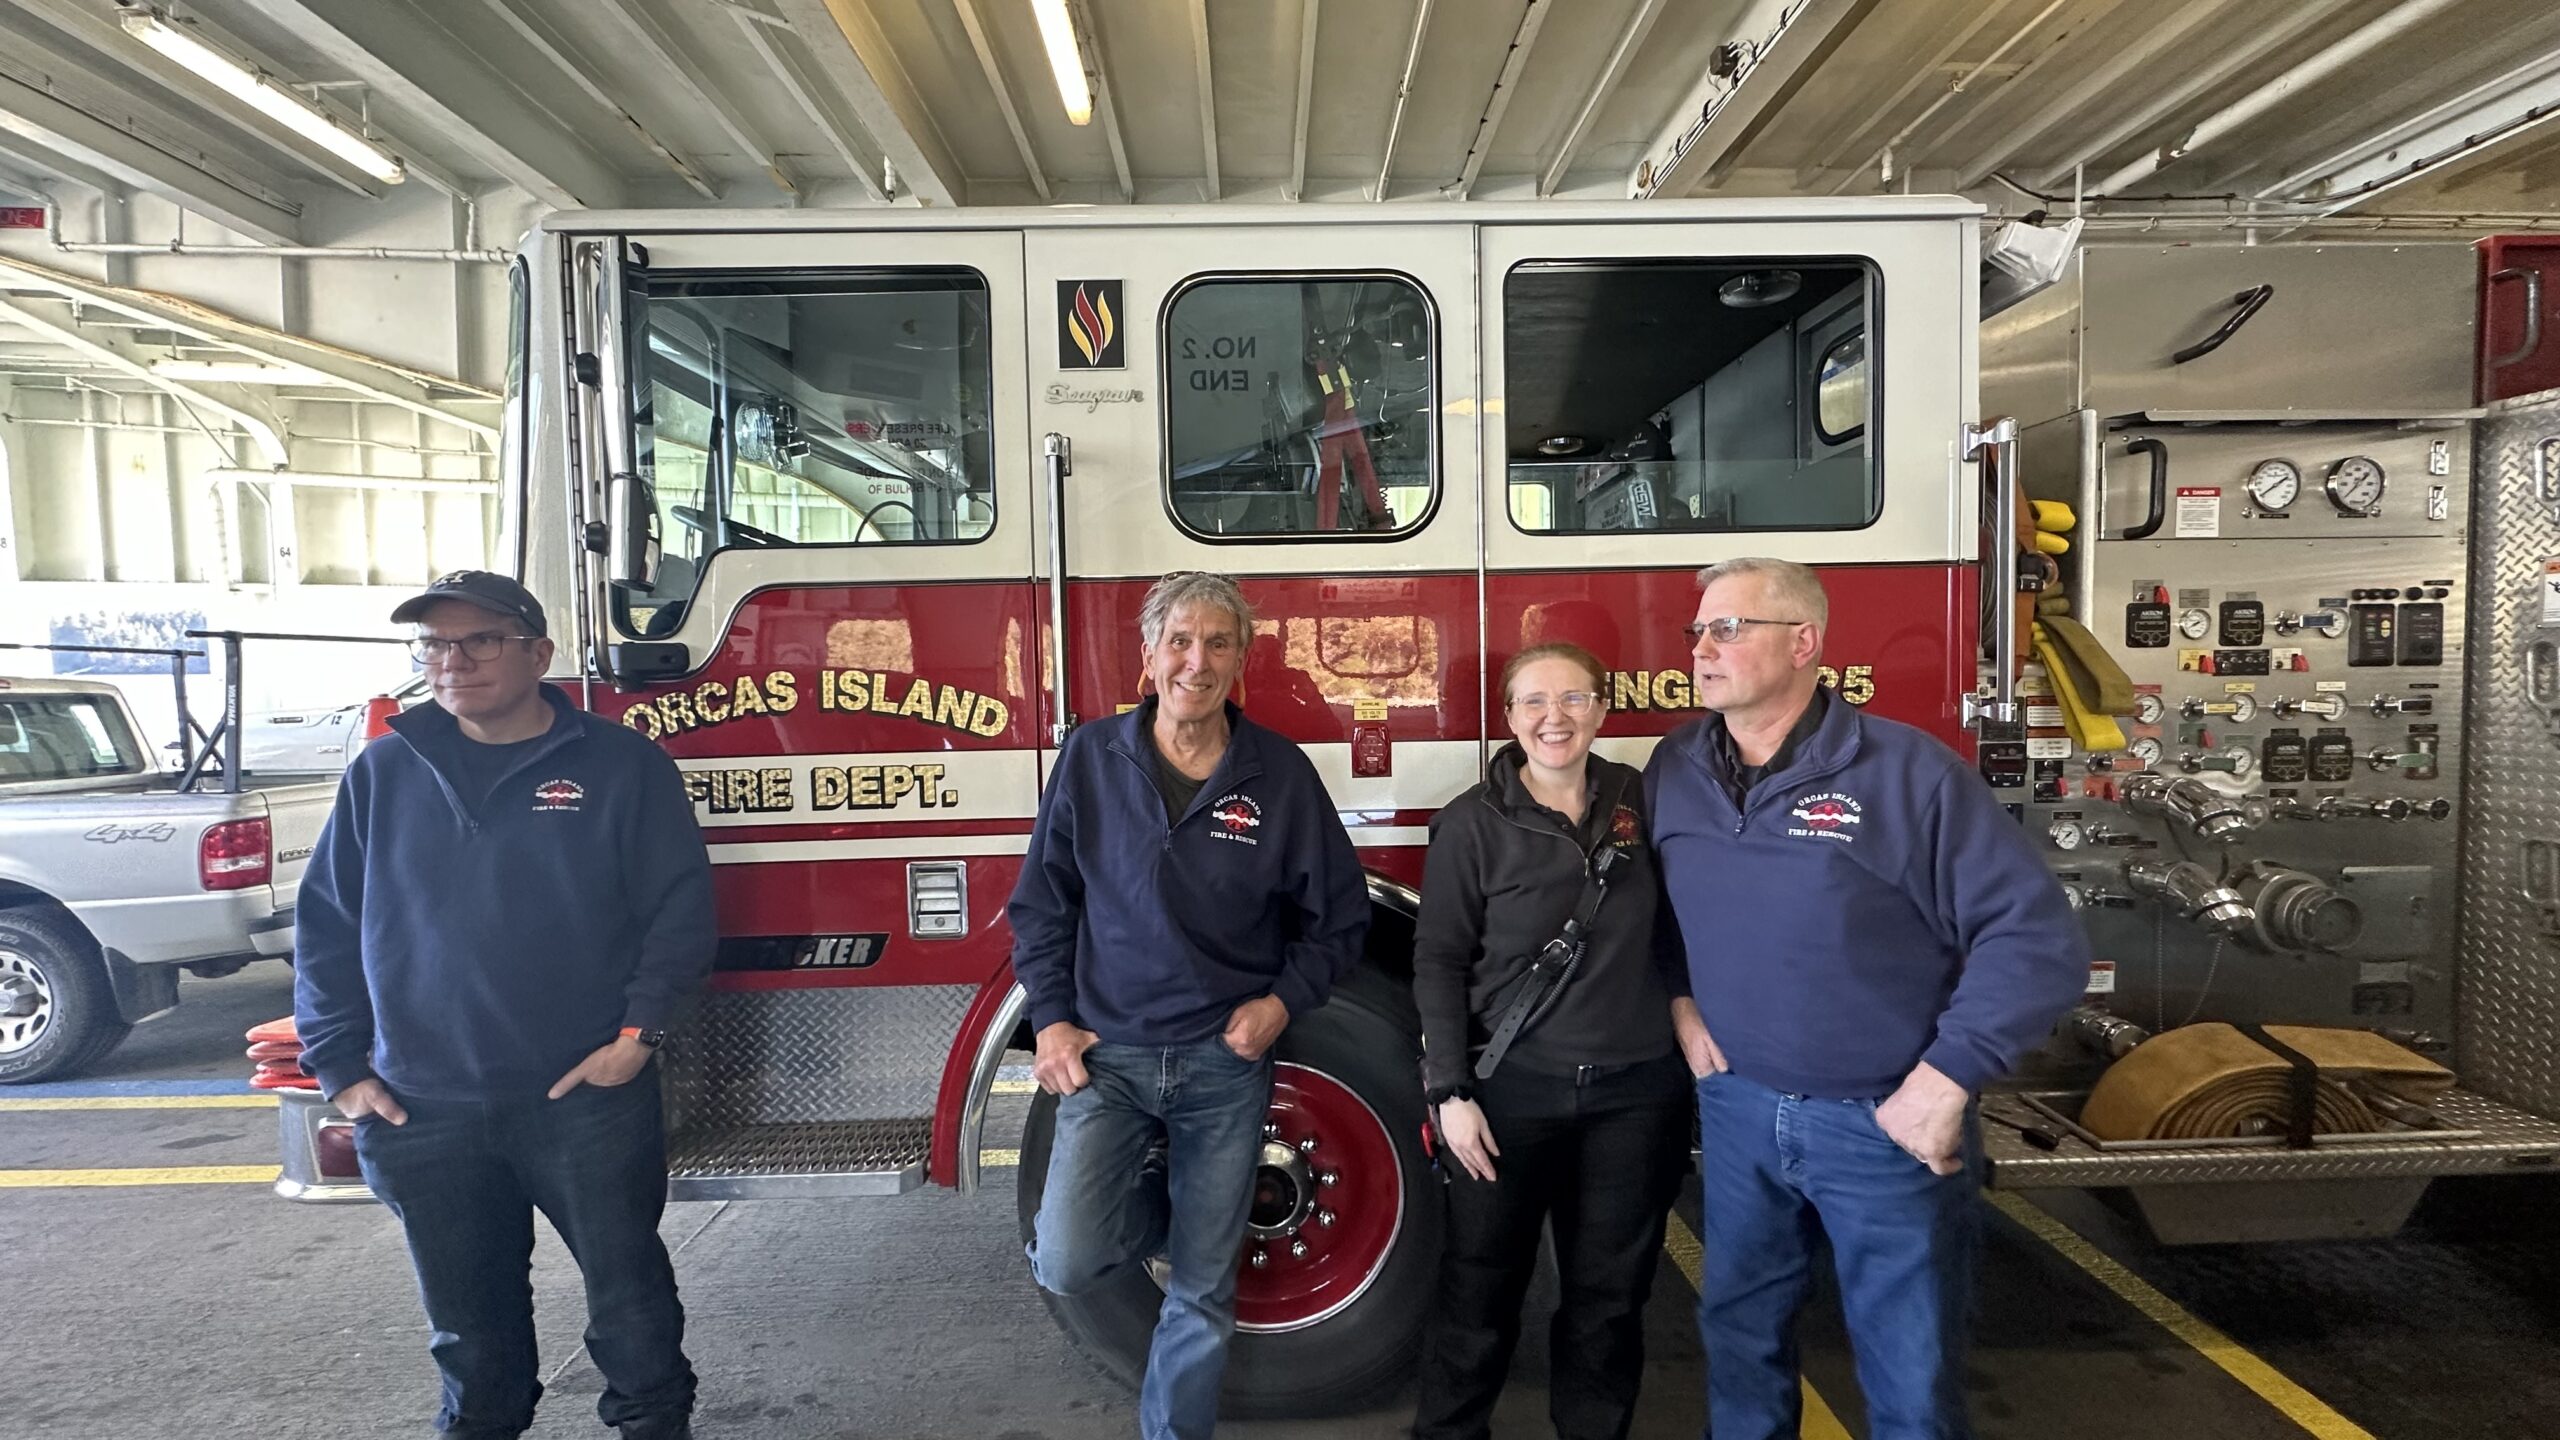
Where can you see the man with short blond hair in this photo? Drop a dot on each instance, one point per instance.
(1869, 940)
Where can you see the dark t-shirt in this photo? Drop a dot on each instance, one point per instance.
(1177, 788)
(478, 768)
(1741, 779)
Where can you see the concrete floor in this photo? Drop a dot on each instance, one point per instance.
(213, 1309)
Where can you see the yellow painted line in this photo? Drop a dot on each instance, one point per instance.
(2269, 1384)
(999, 1159)
(1819, 1421)
(1014, 1087)
(261, 1101)
(183, 1175)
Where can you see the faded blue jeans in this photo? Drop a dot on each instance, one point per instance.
(1778, 1169)
(466, 1176)
(1098, 1214)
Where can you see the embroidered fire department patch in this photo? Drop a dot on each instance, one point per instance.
(1623, 829)
(559, 795)
(1237, 816)
(1827, 816)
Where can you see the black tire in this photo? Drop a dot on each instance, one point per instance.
(75, 1023)
(1356, 1359)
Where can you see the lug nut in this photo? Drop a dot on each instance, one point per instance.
(1324, 1219)
(1307, 1146)
(1329, 1178)
(1297, 1249)
(1270, 1129)
(1260, 1259)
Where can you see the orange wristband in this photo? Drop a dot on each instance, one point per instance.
(630, 1032)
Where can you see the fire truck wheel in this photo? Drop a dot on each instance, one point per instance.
(57, 1011)
(1346, 1230)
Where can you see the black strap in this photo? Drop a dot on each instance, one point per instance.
(2302, 1086)
(1538, 989)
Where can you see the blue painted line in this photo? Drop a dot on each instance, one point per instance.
(93, 1089)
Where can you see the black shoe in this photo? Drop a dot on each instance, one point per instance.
(658, 1427)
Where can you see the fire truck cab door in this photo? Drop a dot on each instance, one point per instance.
(833, 426)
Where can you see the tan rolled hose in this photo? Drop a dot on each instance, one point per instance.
(2210, 1081)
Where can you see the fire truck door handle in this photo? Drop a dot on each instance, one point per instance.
(2532, 314)
(1058, 452)
(2158, 510)
(2250, 301)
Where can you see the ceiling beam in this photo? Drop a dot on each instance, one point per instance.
(971, 22)
(804, 88)
(400, 386)
(2100, 83)
(1630, 39)
(421, 67)
(2509, 108)
(262, 433)
(535, 30)
(2279, 31)
(1105, 108)
(1307, 21)
(94, 141)
(2363, 41)
(1882, 161)
(648, 31)
(1404, 92)
(1722, 115)
(1505, 85)
(855, 57)
(1208, 97)
(40, 165)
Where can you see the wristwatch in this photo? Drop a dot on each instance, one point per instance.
(651, 1038)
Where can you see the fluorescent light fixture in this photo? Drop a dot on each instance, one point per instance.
(262, 95)
(1066, 59)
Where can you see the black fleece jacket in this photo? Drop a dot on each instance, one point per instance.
(1502, 876)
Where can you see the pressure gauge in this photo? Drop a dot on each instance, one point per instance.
(2355, 485)
(2065, 835)
(2195, 622)
(2148, 708)
(2275, 484)
(2146, 750)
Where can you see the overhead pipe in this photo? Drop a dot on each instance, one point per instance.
(326, 480)
(2363, 41)
(53, 234)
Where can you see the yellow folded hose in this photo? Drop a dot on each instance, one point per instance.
(2210, 1081)
(2053, 516)
(2092, 730)
(2051, 544)
(2102, 683)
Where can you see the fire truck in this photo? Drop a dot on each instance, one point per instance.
(853, 512)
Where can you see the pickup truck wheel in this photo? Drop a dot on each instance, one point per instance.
(1348, 1231)
(57, 1011)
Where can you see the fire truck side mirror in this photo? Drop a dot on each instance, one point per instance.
(631, 532)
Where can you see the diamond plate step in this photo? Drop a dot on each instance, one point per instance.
(2507, 1140)
(798, 1159)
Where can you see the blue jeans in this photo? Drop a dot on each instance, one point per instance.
(1780, 1168)
(1098, 1214)
(466, 1176)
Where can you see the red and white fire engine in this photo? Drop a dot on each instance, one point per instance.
(853, 512)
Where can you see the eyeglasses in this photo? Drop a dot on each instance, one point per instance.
(1728, 628)
(487, 645)
(1575, 703)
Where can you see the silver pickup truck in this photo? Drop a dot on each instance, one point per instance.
(115, 875)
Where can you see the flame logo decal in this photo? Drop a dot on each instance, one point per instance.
(1090, 325)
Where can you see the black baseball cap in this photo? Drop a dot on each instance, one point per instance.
(487, 589)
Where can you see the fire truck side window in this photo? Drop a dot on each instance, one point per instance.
(812, 408)
(1692, 394)
(1299, 405)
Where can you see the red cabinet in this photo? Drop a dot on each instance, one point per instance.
(2519, 315)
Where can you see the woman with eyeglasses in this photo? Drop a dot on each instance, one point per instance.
(1554, 1078)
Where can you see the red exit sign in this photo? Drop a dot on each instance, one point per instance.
(21, 217)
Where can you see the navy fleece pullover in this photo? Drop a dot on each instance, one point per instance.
(481, 950)
(1872, 907)
(1149, 934)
